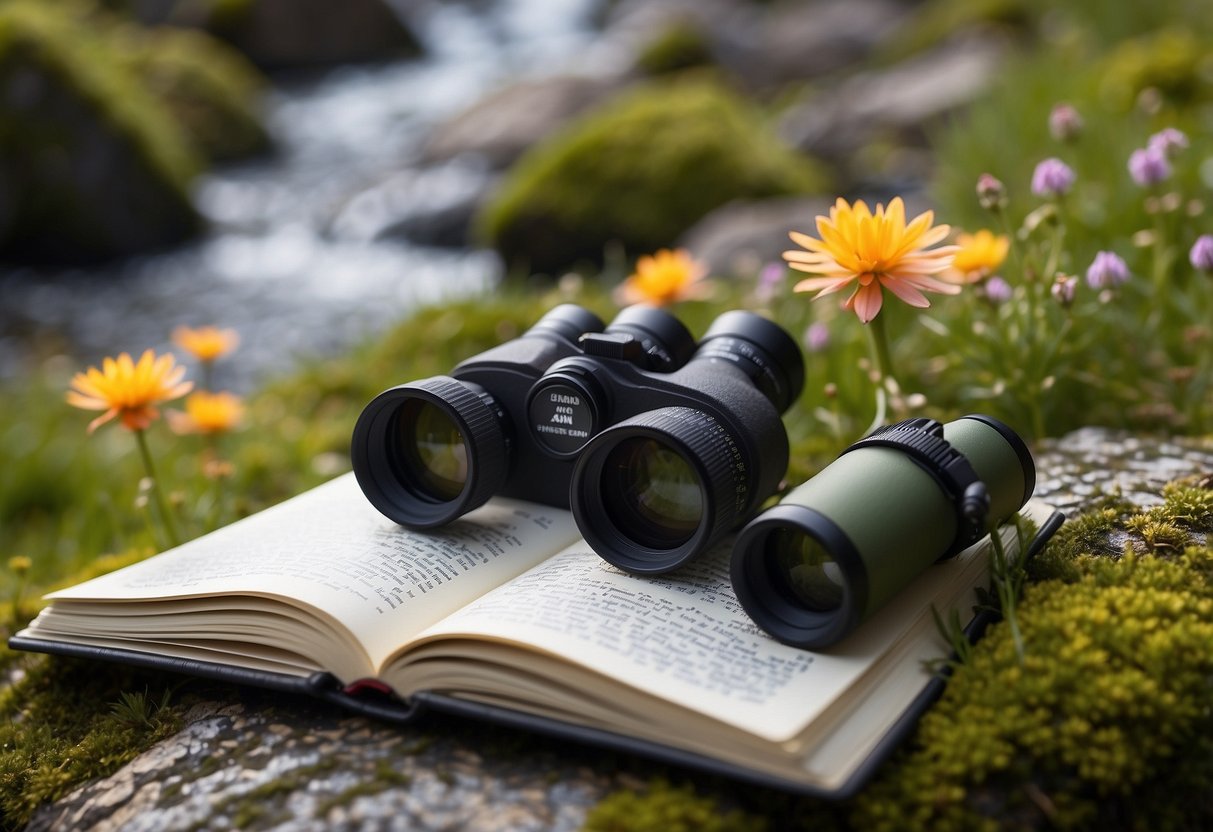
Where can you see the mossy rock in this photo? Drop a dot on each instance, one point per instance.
(91, 164)
(682, 44)
(1175, 62)
(639, 171)
(208, 88)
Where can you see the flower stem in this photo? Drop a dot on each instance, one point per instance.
(170, 528)
(878, 342)
(1007, 579)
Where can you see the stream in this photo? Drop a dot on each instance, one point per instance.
(296, 258)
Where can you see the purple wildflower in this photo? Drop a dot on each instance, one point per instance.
(1201, 255)
(1107, 271)
(1169, 140)
(1149, 166)
(1052, 178)
(1063, 289)
(769, 278)
(817, 337)
(998, 291)
(1065, 124)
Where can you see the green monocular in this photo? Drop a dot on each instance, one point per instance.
(838, 547)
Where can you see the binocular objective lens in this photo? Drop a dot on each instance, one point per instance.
(431, 450)
(650, 490)
(803, 570)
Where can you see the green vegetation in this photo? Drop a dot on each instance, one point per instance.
(666, 808)
(67, 722)
(639, 172)
(680, 45)
(103, 126)
(82, 106)
(209, 89)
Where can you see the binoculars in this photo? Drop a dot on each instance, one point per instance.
(838, 547)
(659, 445)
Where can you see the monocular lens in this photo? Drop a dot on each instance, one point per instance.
(431, 451)
(652, 491)
(803, 570)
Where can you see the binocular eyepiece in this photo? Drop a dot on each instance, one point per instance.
(658, 444)
(838, 547)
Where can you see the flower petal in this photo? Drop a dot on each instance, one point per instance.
(866, 301)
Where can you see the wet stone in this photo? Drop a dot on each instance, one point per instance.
(251, 759)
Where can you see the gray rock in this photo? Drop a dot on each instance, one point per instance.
(797, 41)
(255, 760)
(898, 101)
(738, 238)
(431, 206)
(741, 236)
(766, 45)
(501, 126)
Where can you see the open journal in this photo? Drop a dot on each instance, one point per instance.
(507, 614)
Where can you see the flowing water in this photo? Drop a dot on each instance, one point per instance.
(295, 259)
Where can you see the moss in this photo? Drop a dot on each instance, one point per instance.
(92, 164)
(1175, 62)
(385, 778)
(1105, 718)
(665, 808)
(680, 45)
(208, 88)
(59, 728)
(639, 171)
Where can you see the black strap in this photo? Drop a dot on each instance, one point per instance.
(922, 441)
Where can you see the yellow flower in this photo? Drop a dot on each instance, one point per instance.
(874, 251)
(979, 256)
(208, 413)
(665, 277)
(129, 390)
(20, 564)
(206, 343)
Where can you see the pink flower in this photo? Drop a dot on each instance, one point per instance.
(1052, 178)
(1201, 255)
(1169, 141)
(1065, 124)
(997, 290)
(1149, 166)
(1107, 271)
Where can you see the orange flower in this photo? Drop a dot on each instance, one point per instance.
(129, 390)
(979, 256)
(206, 343)
(209, 413)
(876, 252)
(665, 277)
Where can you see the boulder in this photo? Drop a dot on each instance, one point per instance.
(763, 45)
(638, 172)
(894, 102)
(291, 34)
(501, 126)
(738, 236)
(92, 165)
